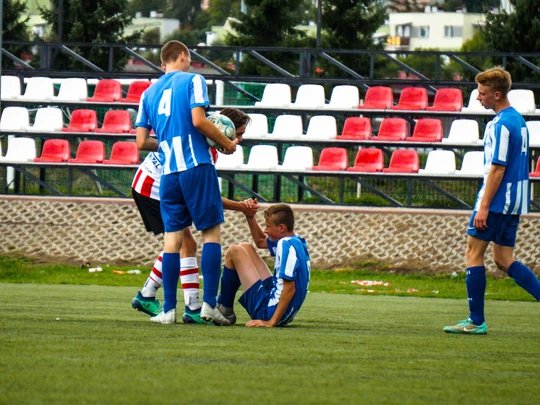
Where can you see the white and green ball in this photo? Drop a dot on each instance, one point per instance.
(225, 125)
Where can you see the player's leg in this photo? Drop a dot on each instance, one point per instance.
(261, 267)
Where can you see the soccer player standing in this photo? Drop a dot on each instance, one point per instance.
(503, 197)
(175, 108)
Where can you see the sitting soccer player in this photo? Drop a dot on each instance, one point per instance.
(270, 299)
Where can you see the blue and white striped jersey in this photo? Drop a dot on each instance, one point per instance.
(166, 108)
(506, 142)
(292, 263)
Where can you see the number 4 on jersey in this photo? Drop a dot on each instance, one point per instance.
(165, 103)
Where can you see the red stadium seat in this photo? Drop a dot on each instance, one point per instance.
(89, 152)
(356, 128)
(135, 90)
(378, 97)
(392, 129)
(368, 160)
(536, 173)
(82, 121)
(116, 121)
(403, 161)
(124, 153)
(54, 150)
(447, 100)
(335, 159)
(427, 130)
(412, 98)
(107, 90)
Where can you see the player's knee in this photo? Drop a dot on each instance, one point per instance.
(502, 262)
(247, 246)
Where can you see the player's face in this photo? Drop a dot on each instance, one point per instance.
(240, 132)
(487, 96)
(274, 232)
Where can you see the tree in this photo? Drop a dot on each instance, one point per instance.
(517, 32)
(186, 11)
(145, 6)
(257, 28)
(13, 28)
(350, 24)
(94, 22)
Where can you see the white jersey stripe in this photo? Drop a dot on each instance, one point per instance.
(291, 261)
(503, 145)
(197, 89)
(178, 154)
(508, 198)
(519, 190)
(164, 146)
(191, 149)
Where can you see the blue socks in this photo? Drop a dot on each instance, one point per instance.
(211, 271)
(525, 278)
(476, 289)
(230, 282)
(170, 273)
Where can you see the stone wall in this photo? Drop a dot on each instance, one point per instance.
(110, 231)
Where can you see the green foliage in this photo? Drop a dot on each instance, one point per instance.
(145, 6)
(91, 22)
(151, 37)
(186, 11)
(220, 10)
(189, 37)
(14, 28)
(516, 32)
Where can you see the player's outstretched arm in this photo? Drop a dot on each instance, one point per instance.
(144, 142)
(249, 207)
(285, 299)
(208, 129)
(259, 237)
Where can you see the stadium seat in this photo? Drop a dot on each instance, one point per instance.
(447, 99)
(89, 152)
(135, 90)
(20, 150)
(333, 159)
(123, 153)
(107, 90)
(309, 96)
(473, 163)
(412, 98)
(344, 97)
(233, 161)
(54, 150)
(72, 89)
(534, 133)
(288, 126)
(116, 121)
(522, 100)
(322, 127)
(403, 161)
(377, 98)
(257, 127)
(427, 130)
(297, 158)
(368, 160)
(10, 87)
(356, 128)
(14, 119)
(262, 157)
(392, 129)
(463, 131)
(38, 88)
(474, 105)
(536, 173)
(440, 162)
(82, 121)
(275, 95)
(47, 120)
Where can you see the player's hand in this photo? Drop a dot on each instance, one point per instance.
(230, 148)
(251, 206)
(258, 322)
(480, 219)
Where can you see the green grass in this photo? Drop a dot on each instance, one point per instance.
(82, 344)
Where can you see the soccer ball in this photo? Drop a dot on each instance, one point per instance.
(225, 125)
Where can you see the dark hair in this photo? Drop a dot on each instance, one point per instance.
(497, 79)
(172, 50)
(280, 214)
(238, 117)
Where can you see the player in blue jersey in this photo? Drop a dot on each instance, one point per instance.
(503, 197)
(270, 299)
(175, 108)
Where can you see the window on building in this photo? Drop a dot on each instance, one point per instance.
(451, 31)
(403, 31)
(424, 31)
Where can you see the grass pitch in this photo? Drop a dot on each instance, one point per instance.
(83, 344)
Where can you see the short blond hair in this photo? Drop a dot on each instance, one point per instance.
(497, 79)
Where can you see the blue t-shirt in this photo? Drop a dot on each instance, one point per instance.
(166, 108)
(506, 142)
(292, 263)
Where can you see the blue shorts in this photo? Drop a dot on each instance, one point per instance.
(501, 229)
(255, 300)
(191, 196)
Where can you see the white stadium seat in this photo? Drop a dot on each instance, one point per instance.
(463, 131)
(440, 162)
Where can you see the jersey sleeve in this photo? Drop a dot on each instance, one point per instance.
(143, 119)
(501, 144)
(198, 92)
(289, 262)
(272, 247)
